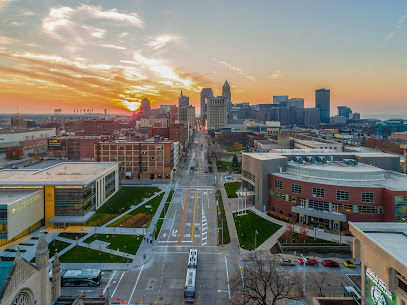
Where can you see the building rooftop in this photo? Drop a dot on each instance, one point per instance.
(23, 130)
(10, 196)
(391, 237)
(66, 173)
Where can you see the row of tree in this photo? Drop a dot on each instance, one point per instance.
(289, 233)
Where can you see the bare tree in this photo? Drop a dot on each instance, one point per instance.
(264, 282)
(320, 279)
(215, 151)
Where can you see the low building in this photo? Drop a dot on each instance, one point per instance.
(73, 148)
(337, 120)
(382, 250)
(303, 141)
(99, 127)
(139, 160)
(29, 139)
(399, 136)
(327, 189)
(55, 196)
(265, 145)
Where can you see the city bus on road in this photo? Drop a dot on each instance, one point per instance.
(82, 278)
(190, 281)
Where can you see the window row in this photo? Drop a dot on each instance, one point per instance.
(363, 209)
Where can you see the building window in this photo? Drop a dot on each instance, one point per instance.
(401, 209)
(318, 192)
(278, 184)
(336, 208)
(348, 208)
(342, 195)
(296, 189)
(367, 197)
(318, 205)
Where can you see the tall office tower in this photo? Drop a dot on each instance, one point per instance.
(311, 117)
(344, 111)
(183, 100)
(145, 107)
(323, 102)
(226, 92)
(205, 94)
(278, 99)
(294, 102)
(217, 112)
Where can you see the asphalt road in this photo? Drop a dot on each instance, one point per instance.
(187, 226)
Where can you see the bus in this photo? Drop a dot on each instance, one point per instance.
(82, 278)
(190, 281)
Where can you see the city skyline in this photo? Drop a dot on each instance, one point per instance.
(99, 54)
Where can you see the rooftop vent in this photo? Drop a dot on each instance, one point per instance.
(322, 159)
(310, 159)
(298, 159)
(350, 162)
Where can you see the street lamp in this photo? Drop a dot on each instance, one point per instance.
(107, 289)
(255, 240)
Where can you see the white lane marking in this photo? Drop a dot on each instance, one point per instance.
(118, 283)
(172, 225)
(110, 279)
(135, 285)
(227, 276)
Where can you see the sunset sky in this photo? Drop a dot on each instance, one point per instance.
(111, 54)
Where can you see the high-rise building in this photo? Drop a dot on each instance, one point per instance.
(344, 111)
(17, 122)
(145, 107)
(173, 114)
(323, 102)
(205, 94)
(312, 117)
(226, 92)
(183, 100)
(217, 112)
(278, 99)
(187, 114)
(293, 102)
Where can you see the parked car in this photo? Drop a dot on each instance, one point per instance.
(349, 264)
(308, 262)
(330, 263)
(286, 262)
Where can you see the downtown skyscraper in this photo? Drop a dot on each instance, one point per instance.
(206, 93)
(323, 103)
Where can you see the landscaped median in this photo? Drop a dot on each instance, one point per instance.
(140, 217)
(125, 243)
(120, 203)
(221, 215)
(162, 216)
(80, 254)
(231, 188)
(246, 227)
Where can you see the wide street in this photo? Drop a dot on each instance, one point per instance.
(190, 223)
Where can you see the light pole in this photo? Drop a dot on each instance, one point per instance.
(107, 289)
(255, 242)
(303, 275)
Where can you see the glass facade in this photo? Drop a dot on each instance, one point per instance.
(110, 184)
(3, 221)
(401, 208)
(75, 201)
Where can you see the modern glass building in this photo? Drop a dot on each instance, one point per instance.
(57, 196)
(323, 103)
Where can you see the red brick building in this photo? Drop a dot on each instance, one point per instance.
(73, 148)
(99, 127)
(179, 132)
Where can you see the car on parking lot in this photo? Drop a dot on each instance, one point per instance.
(349, 264)
(330, 263)
(206, 171)
(286, 262)
(308, 262)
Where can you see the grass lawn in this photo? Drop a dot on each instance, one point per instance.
(125, 243)
(72, 235)
(231, 189)
(80, 254)
(140, 216)
(247, 225)
(224, 166)
(120, 203)
(56, 245)
(295, 240)
(222, 215)
(170, 196)
(161, 220)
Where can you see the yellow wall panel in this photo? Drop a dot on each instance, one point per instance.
(49, 204)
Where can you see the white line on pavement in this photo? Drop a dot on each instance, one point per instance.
(227, 276)
(118, 283)
(135, 285)
(108, 283)
(172, 225)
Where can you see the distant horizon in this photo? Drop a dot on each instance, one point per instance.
(114, 54)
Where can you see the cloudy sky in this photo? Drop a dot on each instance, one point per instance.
(111, 54)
